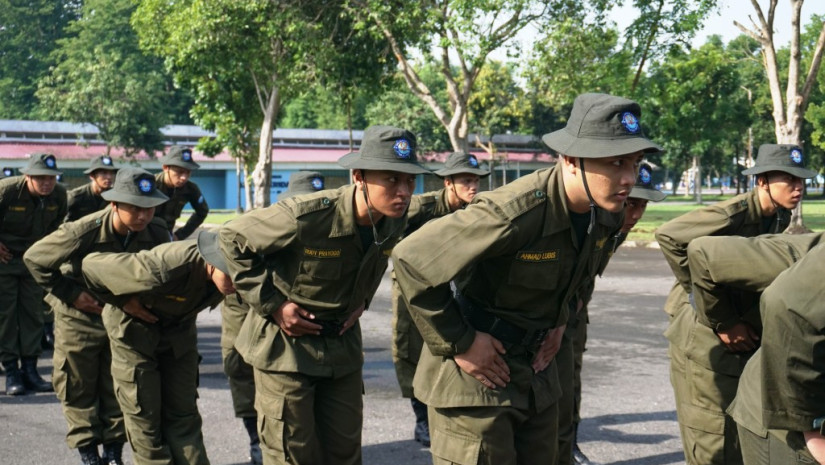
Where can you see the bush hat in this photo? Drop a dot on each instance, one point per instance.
(103, 162)
(303, 182)
(460, 162)
(385, 148)
(135, 186)
(209, 249)
(601, 126)
(780, 157)
(41, 164)
(644, 189)
(179, 156)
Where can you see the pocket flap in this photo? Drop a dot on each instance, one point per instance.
(455, 448)
(272, 407)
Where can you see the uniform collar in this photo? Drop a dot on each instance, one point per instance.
(558, 217)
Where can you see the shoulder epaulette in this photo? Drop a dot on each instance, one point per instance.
(85, 225)
(523, 202)
(304, 205)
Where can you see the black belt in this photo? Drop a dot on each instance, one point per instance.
(329, 328)
(484, 321)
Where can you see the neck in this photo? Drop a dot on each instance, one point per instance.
(96, 188)
(453, 200)
(765, 203)
(118, 225)
(362, 209)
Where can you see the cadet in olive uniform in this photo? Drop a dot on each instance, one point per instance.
(308, 266)
(643, 192)
(31, 206)
(780, 406)
(775, 390)
(233, 312)
(704, 370)
(461, 176)
(518, 255)
(174, 182)
(153, 297)
(82, 358)
(87, 198)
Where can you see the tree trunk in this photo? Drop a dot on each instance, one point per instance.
(238, 173)
(247, 187)
(697, 179)
(262, 175)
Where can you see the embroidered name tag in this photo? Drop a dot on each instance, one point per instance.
(600, 243)
(176, 298)
(538, 256)
(322, 253)
(17, 209)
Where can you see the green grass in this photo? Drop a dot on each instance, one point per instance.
(813, 214)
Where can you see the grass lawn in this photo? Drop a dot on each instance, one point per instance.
(813, 214)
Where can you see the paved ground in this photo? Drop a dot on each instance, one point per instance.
(628, 408)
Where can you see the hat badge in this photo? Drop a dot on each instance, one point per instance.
(145, 185)
(106, 161)
(402, 148)
(49, 161)
(644, 175)
(317, 183)
(473, 161)
(186, 155)
(630, 122)
(796, 156)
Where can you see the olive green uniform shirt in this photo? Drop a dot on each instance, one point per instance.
(738, 216)
(307, 249)
(83, 201)
(178, 198)
(783, 385)
(55, 261)
(170, 280)
(514, 251)
(722, 268)
(25, 218)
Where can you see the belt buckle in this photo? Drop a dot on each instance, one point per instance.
(537, 338)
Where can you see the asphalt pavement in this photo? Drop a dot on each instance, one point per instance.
(627, 409)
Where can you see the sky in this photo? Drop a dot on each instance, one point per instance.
(721, 23)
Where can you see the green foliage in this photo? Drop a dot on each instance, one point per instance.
(498, 105)
(571, 58)
(28, 33)
(102, 78)
(698, 107)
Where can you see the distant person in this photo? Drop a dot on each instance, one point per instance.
(174, 182)
(31, 207)
(87, 198)
(233, 313)
(705, 364)
(82, 356)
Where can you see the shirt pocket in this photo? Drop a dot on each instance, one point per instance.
(315, 277)
(535, 275)
(17, 220)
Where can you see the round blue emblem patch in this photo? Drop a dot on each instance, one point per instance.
(186, 155)
(473, 161)
(796, 156)
(402, 148)
(644, 175)
(630, 122)
(106, 161)
(8, 171)
(49, 161)
(317, 184)
(145, 185)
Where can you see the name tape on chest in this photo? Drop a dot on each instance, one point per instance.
(538, 256)
(322, 253)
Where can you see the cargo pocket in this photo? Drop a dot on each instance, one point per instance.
(60, 378)
(272, 425)
(705, 433)
(455, 448)
(126, 389)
